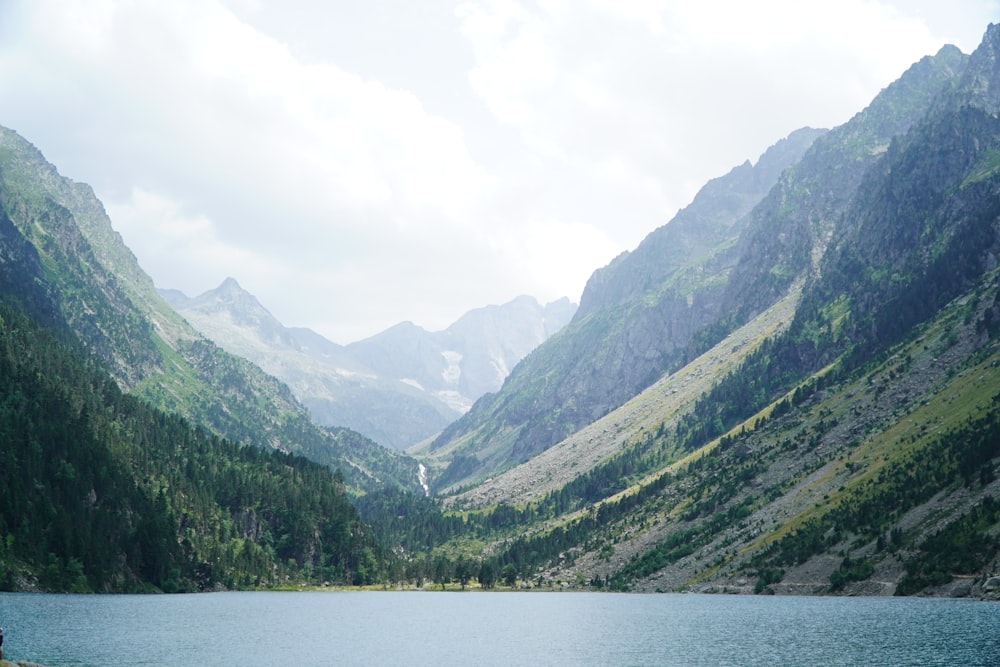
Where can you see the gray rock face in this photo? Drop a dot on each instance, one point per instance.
(715, 215)
(637, 316)
(980, 84)
(737, 249)
(398, 387)
(790, 229)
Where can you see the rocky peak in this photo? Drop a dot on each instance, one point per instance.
(712, 216)
(230, 296)
(397, 387)
(229, 301)
(791, 227)
(980, 83)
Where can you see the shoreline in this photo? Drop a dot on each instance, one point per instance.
(991, 595)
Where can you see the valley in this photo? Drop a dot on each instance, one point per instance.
(792, 387)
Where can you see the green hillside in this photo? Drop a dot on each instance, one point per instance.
(99, 492)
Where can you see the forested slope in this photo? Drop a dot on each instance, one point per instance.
(100, 492)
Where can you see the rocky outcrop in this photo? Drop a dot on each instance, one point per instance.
(791, 228)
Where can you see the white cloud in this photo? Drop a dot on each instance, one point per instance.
(185, 246)
(357, 166)
(556, 256)
(660, 90)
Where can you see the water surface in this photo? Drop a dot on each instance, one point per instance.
(425, 628)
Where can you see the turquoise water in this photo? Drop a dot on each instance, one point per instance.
(475, 628)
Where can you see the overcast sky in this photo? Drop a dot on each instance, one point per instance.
(359, 163)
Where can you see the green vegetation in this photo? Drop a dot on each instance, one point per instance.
(99, 492)
(859, 438)
(964, 546)
(68, 268)
(987, 166)
(872, 505)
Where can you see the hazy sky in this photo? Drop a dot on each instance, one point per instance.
(357, 164)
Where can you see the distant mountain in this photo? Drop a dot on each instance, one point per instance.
(67, 266)
(471, 357)
(398, 387)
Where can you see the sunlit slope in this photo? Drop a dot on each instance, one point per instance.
(877, 481)
(847, 491)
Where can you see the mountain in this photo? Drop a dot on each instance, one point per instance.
(325, 377)
(136, 455)
(792, 388)
(788, 233)
(99, 492)
(398, 387)
(637, 318)
(471, 357)
(833, 429)
(742, 243)
(67, 266)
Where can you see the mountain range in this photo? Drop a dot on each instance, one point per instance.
(792, 387)
(69, 268)
(135, 454)
(399, 387)
(637, 317)
(800, 400)
(743, 241)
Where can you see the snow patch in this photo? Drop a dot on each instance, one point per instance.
(343, 372)
(453, 369)
(501, 368)
(412, 383)
(455, 400)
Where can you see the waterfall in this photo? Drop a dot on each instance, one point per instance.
(422, 478)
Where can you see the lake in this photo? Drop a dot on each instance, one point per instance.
(496, 628)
